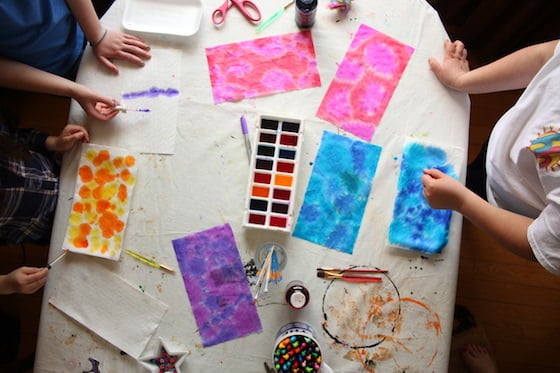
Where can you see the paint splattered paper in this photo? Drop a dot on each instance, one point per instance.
(152, 97)
(217, 286)
(107, 305)
(364, 82)
(104, 185)
(415, 225)
(262, 67)
(337, 192)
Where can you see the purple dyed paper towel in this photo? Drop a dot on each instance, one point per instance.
(217, 286)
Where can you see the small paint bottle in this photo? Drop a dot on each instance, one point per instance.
(297, 294)
(305, 13)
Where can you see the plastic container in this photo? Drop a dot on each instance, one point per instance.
(296, 347)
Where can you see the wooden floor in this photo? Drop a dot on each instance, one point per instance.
(515, 301)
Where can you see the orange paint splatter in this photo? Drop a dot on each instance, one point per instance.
(86, 175)
(81, 240)
(84, 192)
(103, 176)
(435, 325)
(123, 193)
(102, 205)
(118, 162)
(125, 174)
(109, 224)
(102, 156)
(78, 207)
(130, 161)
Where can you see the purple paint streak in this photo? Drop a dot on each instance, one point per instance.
(151, 93)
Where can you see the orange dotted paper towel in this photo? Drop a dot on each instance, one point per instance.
(104, 184)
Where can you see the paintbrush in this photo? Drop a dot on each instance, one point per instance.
(274, 17)
(124, 109)
(264, 274)
(49, 266)
(364, 277)
(149, 261)
(353, 270)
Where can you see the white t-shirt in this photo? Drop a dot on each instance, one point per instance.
(523, 162)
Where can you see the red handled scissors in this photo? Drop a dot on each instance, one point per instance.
(247, 7)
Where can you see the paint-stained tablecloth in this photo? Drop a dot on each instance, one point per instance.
(193, 174)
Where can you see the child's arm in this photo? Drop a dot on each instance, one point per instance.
(17, 75)
(25, 280)
(513, 71)
(108, 44)
(70, 135)
(508, 228)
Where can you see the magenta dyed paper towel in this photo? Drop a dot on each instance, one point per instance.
(364, 82)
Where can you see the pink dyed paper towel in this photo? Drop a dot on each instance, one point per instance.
(262, 66)
(364, 82)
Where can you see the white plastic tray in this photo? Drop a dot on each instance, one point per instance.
(174, 17)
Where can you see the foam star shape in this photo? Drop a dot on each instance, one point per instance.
(164, 359)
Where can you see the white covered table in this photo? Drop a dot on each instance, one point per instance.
(202, 184)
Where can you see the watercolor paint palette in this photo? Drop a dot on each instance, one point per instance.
(273, 177)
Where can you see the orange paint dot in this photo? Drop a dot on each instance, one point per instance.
(118, 162)
(102, 205)
(103, 156)
(80, 242)
(103, 176)
(86, 175)
(130, 161)
(78, 207)
(109, 223)
(123, 193)
(125, 174)
(84, 192)
(96, 193)
(85, 229)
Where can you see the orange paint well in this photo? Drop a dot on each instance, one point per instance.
(259, 191)
(283, 180)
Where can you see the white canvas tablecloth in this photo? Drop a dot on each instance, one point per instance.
(203, 184)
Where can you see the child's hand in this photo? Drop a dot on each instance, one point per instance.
(454, 66)
(117, 45)
(94, 104)
(442, 191)
(70, 135)
(25, 280)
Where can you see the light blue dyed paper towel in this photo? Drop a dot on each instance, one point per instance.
(337, 192)
(415, 225)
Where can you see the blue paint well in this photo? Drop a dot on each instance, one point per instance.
(415, 225)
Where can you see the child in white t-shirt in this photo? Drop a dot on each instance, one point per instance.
(523, 155)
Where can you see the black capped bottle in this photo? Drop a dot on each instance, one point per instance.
(305, 13)
(297, 295)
